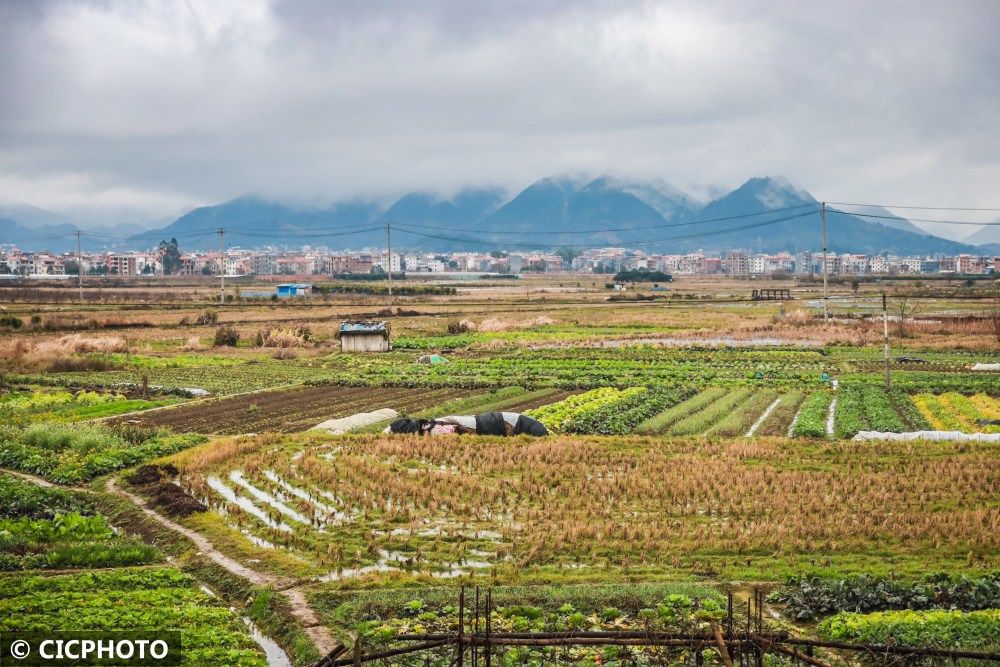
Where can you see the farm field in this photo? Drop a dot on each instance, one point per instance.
(700, 444)
(63, 567)
(358, 507)
(290, 410)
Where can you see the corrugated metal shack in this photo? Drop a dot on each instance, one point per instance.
(293, 289)
(364, 337)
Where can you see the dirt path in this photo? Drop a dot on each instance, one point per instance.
(318, 633)
(37, 481)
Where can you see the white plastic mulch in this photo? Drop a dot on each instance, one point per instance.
(345, 424)
(929, 435)
(986, 367)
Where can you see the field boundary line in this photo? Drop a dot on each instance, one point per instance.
(763, 417)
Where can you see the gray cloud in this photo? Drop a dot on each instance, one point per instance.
(152, 105)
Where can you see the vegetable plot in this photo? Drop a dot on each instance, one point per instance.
(811, 420)
(606, 411)
(863, 407)
(147, 599)
(976, 630)
(954, 412)
(69, 454)
(52, 528)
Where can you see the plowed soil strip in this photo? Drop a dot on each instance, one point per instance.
(291, 410)
(539, 401)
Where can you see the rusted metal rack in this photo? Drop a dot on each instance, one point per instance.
(740, 639)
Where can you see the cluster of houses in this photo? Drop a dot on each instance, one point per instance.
(306, 262)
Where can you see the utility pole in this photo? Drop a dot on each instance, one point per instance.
(885, 338)
(79, 266)
(822, 217)
(388, 244)
(222, 265)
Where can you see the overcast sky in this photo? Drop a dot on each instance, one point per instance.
(155, 106)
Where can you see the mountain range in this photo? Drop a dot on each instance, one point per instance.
(765, 214)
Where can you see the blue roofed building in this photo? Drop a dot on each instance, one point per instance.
(294, 289)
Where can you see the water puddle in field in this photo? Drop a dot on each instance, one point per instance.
(330, 514)
(388, 562)
(245, 504)
(332, 454)
(237, 477)
(397, 561)
(276, 656)
(257, 540)
(443, 529)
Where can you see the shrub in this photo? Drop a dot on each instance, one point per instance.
(208, 317)
(10, 321)
(226, 336)
(282, 338)
(460, 327)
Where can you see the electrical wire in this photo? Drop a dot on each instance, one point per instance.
(604, 245)
(940, 222)
(599, 230)
(915, 208)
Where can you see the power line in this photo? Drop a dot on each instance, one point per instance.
(916, 208)
(940, 222)
(599, 230)
(683, 237)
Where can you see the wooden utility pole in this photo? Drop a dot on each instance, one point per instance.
(822, 217)
(885, 338)
(222, 265)
(388, 244)
(79, 266)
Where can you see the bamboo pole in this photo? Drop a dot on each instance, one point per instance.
(722, 645)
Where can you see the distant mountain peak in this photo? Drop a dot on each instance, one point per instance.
(774, 192)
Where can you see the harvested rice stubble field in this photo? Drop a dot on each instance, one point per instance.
(569, 507)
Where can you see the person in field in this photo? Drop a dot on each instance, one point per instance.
(487, 423)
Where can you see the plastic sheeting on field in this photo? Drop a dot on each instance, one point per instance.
(986, 367)
(346, 424)
(929, 435)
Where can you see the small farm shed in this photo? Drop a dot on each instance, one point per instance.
(294, 289)
(364, 337)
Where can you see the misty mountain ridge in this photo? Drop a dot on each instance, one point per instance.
(985, 235)
(764, 214)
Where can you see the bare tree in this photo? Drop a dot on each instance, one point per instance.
(905, 308)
